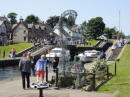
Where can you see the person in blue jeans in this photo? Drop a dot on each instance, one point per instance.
(25, 68)
(111, 55)
(32, 63)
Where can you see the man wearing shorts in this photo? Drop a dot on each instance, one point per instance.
(40, 67)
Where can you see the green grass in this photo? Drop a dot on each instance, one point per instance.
(90, 44)
(18, 47)
(121, 82)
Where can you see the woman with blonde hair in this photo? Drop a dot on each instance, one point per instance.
(32, 62)
(40, 67)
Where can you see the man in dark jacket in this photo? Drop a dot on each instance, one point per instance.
(55, 62)
(25, 68)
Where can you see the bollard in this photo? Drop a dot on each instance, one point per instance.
(107, 72)
(93, 80)
(0, 52)
(46, 73)
(56, 77)
(115, 68)
(40, 92)
(4, 54)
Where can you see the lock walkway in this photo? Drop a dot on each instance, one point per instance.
(13, 88)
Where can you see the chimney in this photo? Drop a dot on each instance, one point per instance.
(21, 19)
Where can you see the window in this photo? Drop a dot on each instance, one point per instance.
(2, 29)
(24, 38)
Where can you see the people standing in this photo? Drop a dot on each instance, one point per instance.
(55, 62)
(13, 52)
(83, 60)
(10, 54)
(25, 68)
(32, 63)
(111, 55)
(40, 67)
(76, 62)
(102, 55)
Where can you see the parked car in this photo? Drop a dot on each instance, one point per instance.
(92, 53)
(88, 59)
(60, 52)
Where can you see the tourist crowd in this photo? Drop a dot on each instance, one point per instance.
(27, 63)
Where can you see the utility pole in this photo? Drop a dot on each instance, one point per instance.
(119, 26)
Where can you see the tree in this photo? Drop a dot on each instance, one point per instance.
(70, 21)
(52, 21)
(12, 16)
(110, 32)
(32, 19)
(95, 27)
(121, 35)
(84, 27)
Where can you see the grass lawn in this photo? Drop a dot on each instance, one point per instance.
(121, 82)
(90, 44)
(18, 47)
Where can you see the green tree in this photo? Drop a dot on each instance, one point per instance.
(70, 21)
(12, 16)
(110, 32)
(52, 21)
(84, 27)
(95, 27)
(32, 18)
(121, 35)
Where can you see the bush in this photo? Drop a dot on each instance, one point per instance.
(100, 66)
(66, 81)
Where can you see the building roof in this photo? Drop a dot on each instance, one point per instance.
(1, 22)
(37, 26)
(29, 25)
(3, 18)
(6, 22)
(43, 27)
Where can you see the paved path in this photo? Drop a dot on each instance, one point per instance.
(12, 88)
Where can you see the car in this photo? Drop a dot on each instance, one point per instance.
(88, 59)
(92, 53)
(60, 52)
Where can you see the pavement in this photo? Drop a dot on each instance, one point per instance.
(13, 88)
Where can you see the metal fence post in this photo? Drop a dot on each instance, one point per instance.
(107, 72)
(4, 54)
(93, 80)
(56, 77)
(46, 73)
(115, 68)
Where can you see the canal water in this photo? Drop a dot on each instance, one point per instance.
(9, 72)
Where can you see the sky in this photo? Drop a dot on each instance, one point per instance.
(86, 9)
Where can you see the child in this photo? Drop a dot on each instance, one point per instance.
(40, 68)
